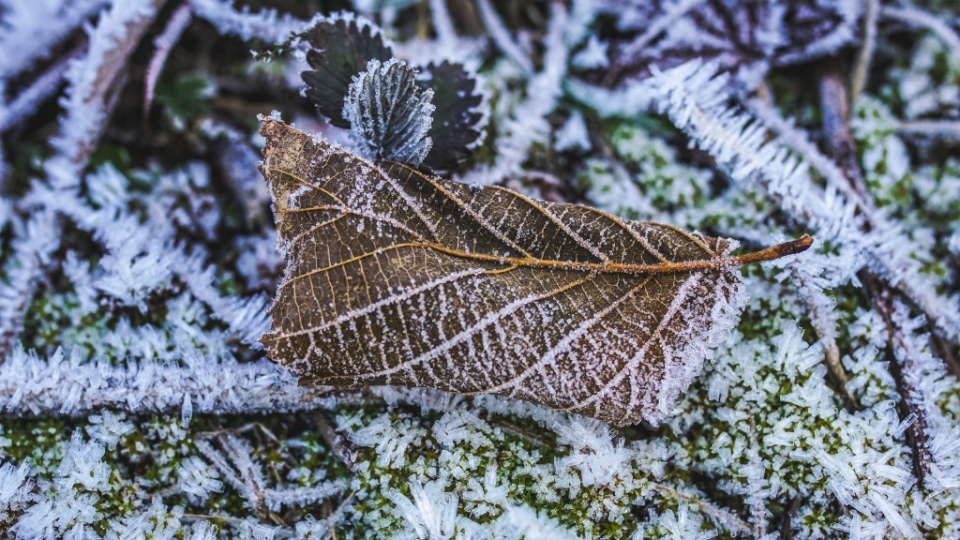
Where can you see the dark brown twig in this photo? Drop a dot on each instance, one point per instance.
(917, 431)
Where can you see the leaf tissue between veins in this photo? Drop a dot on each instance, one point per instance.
(398, 278)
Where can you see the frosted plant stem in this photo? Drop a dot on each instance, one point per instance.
(94, 80)
(755, 479)
(344, 450)
(501, 36)
(36, 35)
(935, 24)
(266, 24)
(866, 50)
(163, 45)
(731, 519)
(442, 23)
(673, 14)
(835, 110)
(933, 128)
(823, 323)
(71, 387)
(911, 398)
(797, 140)
(30, 99)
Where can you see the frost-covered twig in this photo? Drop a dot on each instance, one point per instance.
(821, 311)
(501, 36)
(935, 24)
(30, 30)
(442, 23)
(932, 128)
(30, 99)
(70, 386)
(725, 516)
(866, 49)
(918, 375)
(672, 15)
(797, 140)
(528, 124)
(163, 45)
(835, 113)
(696, 100)
(32, 249)
(266, 24)
(247, 477)
(246, 317)
(93, 79)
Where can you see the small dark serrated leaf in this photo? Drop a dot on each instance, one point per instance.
(339, 51)
(388, 113)
(456, 118)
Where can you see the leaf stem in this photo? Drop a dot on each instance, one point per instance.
(775, 252)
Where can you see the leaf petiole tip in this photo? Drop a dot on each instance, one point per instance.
(778, 251)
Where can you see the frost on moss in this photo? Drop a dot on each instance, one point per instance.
(136, 264)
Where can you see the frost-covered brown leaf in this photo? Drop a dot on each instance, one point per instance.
(396, 278)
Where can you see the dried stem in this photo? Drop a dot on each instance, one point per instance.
(917, 432)
(825, 328)
(932, 128)
(164, 44)
(706, 507)
(343, 449)
(866, 50)
(935, 24)
(835, 108)
(30, 99)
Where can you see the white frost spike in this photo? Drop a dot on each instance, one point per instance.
(389, 116)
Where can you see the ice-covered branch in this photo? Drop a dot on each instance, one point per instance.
(67, 385)
(922, 378)
(528, 123)
(671, 16)
(163, 45)
(93, 81)
(443, 24)
(501, 36)
(935, 24)
(266, 24)
(32, 29)
(30, 99)
(696, 99)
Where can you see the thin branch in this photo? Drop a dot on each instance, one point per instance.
(707, 507)
(798, 141)
(442, 23)
(946, 129)
(911, 398)
(866, 50)
(815, 302)
(30, 99)
(501, 36)
(266, 24)
(935, 24)
(70, 387)
(835, 110)
(344, 450)
(31, 30)
(163, 45)
(673, 14)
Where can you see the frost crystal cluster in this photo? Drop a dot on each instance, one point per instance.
(138, 257)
